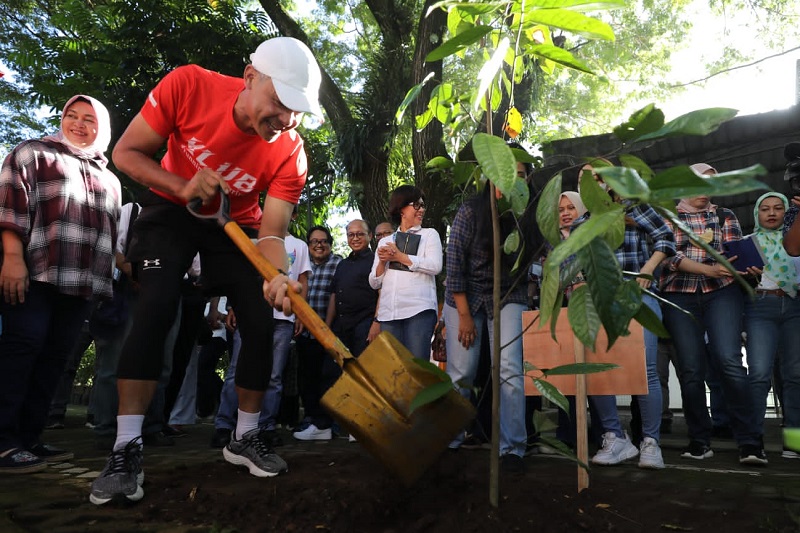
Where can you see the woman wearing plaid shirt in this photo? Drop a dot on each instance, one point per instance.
(59, 206)
(695, 282)
(647, 241)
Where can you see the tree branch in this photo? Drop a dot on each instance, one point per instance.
(731, 69)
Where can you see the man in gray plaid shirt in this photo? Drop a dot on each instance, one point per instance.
(315, 367)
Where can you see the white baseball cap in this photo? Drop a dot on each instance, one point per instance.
(294, 72)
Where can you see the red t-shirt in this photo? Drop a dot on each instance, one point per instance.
(193, 108)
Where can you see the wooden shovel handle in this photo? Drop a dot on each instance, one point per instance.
(302, 310)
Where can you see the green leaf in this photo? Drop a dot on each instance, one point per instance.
(571, 21)
(463, 172)
(579, 368)
(511, 244)
(420, 121)
(584, 4)
(458, 43)
(626, 182)
(701, 122)
(596, 200)
(641, 122)
(550, 293)
(440, 163)
(411, 95)
(488, 72)
(547, 211)
(587, 232)
(631, 161)
(602, 270)
(558, 55)
(682, 182)
(496, 160)
(542, 422)
(549, 391)
(583, 316)
(649, 320)
(430, 394)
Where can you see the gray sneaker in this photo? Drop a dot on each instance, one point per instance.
(650, 454)
(255, 453)
(122, 477)
(615, 450)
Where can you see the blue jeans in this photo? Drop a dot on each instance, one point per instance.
(415, 333)
(270, 405)
(462, 364)
(772, 321)
(37, 339)
(718, 313)
(650, 403)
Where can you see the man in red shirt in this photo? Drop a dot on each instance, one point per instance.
(221, 133)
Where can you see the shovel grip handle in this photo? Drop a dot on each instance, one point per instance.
(300, 307)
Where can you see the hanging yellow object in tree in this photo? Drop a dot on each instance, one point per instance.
(513, 124)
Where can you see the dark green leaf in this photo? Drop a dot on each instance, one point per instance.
(700, 122)
(558, 55)
(644, 121)
(411, 95)
(649, 320)
(547, 211)
(550, 392)
(583, 316)
(571, 21)
(430, 394)
(625, 182)
(595, 199)
(580, 368)
(631, 161)
(458, 43)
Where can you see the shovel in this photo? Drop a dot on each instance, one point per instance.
(372, 398)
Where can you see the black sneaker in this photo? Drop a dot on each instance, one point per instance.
(512, 464)
(122, 477)
(254, 453)
(750, 454)
(221, 437)
(271, 438)
(17, 461)
(174, 432)
(698, 450)
(158, 439)
(51, 454)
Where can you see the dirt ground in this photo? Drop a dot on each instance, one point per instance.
(336, 487)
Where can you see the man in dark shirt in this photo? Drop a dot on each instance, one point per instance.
(351, 311)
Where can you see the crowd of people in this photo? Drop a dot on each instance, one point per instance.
(147, 276)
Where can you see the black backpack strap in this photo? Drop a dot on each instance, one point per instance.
(134, 215)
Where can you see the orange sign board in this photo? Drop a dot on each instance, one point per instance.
(541, 351)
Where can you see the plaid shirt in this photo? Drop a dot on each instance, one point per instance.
(649, 228)
(674, 281)
(319, 285)
(65, 209)
(469, 267)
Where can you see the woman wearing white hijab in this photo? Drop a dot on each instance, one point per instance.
(773, 316)
(59, 207)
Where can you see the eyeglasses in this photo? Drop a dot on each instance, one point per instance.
(316, 242)
(419, 204)
(383, 234)
(356, 235)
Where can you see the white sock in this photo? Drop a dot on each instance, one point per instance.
(246, 422)
(128, 428)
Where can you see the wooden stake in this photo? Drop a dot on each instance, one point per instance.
(580, 418)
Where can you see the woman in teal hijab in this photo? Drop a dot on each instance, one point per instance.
(772, 318)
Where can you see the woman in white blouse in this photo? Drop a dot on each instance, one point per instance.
(405, 269)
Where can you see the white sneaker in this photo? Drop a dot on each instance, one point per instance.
(790, 454)
(615, 450)
(650, 454)
(351, 438)
(312, 432)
